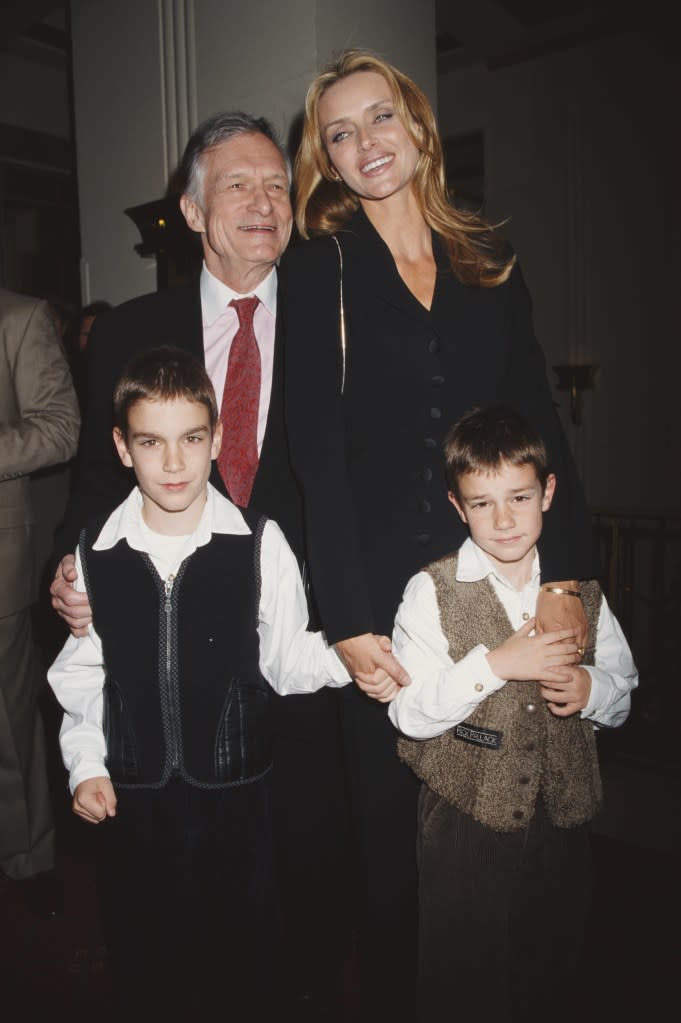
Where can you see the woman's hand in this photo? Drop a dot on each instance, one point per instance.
(561, 611)
(370, 661)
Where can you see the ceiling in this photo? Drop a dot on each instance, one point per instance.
(492, 32)
(498, 33)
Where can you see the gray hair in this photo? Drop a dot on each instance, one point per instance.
(212, 132)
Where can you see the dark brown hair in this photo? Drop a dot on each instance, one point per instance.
(484, 438)
(162, 374)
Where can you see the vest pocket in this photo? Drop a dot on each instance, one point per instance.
(121, 756)
(242, 743)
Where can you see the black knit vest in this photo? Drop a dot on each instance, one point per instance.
(183, 694)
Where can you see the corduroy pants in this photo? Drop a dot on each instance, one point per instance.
(501, 915)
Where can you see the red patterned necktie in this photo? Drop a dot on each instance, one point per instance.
(238, 458)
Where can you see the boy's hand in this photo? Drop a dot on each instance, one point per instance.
(69, 604)
(566, 698)
(94, 800)
(378, 686)
(542, 658)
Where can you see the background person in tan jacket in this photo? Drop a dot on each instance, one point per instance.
(39, 425)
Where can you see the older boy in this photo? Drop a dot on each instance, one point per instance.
(509, 764)
(197, 606)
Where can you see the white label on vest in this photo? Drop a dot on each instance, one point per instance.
(484, 737)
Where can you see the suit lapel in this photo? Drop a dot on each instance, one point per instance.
(187, 321)
(376, 269)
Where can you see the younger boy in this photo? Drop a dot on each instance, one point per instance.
(197, 606)
(509, 765)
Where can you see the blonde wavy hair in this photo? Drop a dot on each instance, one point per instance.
(324, 204)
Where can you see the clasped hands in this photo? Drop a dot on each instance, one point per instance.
(561, 632)
(369, 658)
(371, 662)
(550, 658)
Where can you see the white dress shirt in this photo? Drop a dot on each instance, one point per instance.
(443, 693)
(220, 324)
(292, 659)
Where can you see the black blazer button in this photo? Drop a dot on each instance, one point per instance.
(430, 442)
(437, 381)
(427, 474)
(423, 539)
(434, 346)
(435, 413)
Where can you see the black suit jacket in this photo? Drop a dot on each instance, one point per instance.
(370, 461)
(167, 317)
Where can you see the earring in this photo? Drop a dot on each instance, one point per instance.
(335, 175)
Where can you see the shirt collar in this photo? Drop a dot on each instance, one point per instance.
(219, 516)
(474, 565)
(216, 296)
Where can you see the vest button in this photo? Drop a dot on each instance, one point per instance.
(531, 708)
(524, 779)
(530, 748)
(517, 815)
(478, 687)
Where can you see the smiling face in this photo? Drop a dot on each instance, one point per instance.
(244, 217)
(170, 446)
(365, 139)
(503, 511)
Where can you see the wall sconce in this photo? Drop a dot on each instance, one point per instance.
(575, 378)
(165, 235)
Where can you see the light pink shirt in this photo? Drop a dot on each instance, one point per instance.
(220, 323)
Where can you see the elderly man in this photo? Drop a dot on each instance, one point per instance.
(236, 197)
(39, 426)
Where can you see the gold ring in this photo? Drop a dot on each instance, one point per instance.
(580, 651)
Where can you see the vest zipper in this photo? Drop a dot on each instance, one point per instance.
(172, 696)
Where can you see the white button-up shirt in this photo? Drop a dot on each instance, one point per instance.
(292, 659)
(444, 693)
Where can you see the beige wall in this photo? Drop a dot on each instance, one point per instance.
(146, 73)
(581, 155)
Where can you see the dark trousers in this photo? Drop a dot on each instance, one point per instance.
(189, 904)
(312, 841)
(27, 839)
(501, 916)
(384, 795)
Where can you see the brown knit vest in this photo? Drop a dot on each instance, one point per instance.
(537, 752)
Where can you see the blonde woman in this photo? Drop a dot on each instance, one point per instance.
(437, 320)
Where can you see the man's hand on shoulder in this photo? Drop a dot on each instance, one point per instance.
(69, 603)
